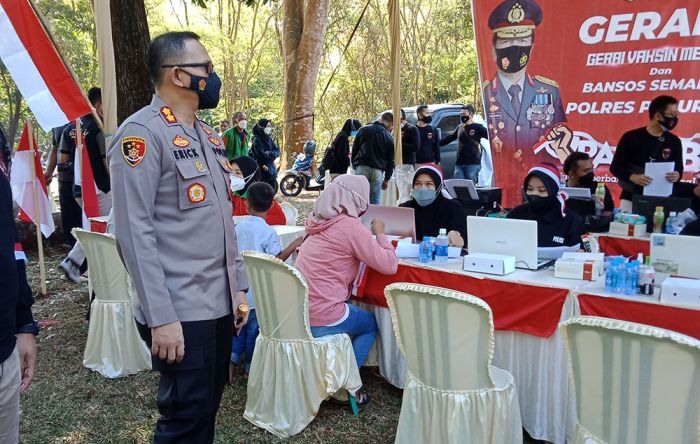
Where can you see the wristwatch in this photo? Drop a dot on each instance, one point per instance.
(32, 328)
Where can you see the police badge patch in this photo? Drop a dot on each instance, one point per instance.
(180, 141)
(214, 140)
(196, 193)
(133, 150)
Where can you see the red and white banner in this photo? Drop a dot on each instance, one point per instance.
(585, 77)
(86, 181)
(23, 179)
(37, 69)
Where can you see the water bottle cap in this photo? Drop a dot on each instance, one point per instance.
(443, 231)
(426, 238)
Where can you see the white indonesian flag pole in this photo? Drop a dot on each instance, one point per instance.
(29, 191)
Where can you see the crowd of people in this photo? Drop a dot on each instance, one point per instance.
(171, 185)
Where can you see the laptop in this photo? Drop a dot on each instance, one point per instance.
(676, 255)
(453, 185)
(398, 221)
(578, 193)
(510, 237)
(646, 206)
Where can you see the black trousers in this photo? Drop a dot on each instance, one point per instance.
(189, 393)
(71, 213)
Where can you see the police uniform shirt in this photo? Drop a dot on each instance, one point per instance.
(553, 229)
(172, 217)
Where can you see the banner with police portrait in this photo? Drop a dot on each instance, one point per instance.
(563, 76)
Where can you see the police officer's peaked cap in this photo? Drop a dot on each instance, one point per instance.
(515, 18)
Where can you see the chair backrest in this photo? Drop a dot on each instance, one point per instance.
(634, 383)
(446, 336)
(290, 213)
(107, 274)
(281, 297)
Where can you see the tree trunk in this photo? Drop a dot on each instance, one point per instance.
(130, 37)
(302, 44)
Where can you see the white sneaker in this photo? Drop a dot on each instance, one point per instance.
(70, 270)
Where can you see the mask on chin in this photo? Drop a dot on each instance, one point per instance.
(208, 90)
(513, 58)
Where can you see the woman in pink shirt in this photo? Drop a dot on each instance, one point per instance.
(329, 258)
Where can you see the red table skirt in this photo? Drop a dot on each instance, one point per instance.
(681, 320)
(523, 308)
(97, 226)
(615, 246)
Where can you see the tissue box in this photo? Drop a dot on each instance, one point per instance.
(569, 268)
(622, 229)
(681, 291)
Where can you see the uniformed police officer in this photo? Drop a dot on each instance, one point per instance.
(522, 111)
(172, 222)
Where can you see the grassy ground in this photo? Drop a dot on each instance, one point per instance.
(68, 403)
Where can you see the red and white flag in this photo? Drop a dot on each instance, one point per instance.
(23, 179)
(36, 67)
(85, 180)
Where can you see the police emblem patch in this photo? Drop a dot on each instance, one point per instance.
(501, 125)
(133, 150)
(200, 167)
(168, 115)
(214, 140)
(196, 193)
(180, 141)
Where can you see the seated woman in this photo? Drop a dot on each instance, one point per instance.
(434, 209)
(246, 169)
(555, 226)
(330, 256)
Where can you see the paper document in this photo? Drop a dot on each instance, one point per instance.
(660, 186)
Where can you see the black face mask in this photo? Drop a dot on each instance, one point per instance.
(427, 119)
(669, 122)
(207, 88)
(464, 119)
(512, 58)
(587, 180)
(538, 203)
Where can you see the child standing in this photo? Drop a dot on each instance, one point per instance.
(253, 233)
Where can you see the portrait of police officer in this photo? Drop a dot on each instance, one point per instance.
(523, 110)
(173, 227)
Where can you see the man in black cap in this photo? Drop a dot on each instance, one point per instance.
(522, 111)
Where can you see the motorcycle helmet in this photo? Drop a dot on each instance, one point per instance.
(310, 148)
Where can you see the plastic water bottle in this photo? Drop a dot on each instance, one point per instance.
(441, 246)
(425, 251)
(630, 283)
(614, 277)
(671, 223)
(659, 220)
(645, 279)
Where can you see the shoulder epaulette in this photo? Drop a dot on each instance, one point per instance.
(547, 81)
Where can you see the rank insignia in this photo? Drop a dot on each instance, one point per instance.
(206, 130)
(133, 150)
(200, 167)
(196, 193)
(168, 115)
(202, 84)
(225, 164)
(493, 108)
(180, 141)
(214, 140)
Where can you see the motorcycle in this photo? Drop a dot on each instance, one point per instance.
(300, 178)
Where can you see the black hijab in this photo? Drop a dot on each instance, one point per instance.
(250, 170)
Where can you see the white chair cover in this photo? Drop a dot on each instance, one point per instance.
(290, 213)
(114, 347)
(291, 372)
(453, 394)
(634, 383)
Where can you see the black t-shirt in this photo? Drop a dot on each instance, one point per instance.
(429, 147)
(66, 146)
(692, 229)
(95, 143)
(553, 229)
(469, 148)
(442, 213)
(410, 143)
(636, 148)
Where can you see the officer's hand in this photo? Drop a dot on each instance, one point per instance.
(455, 239)
(560, 138)
(378, 226)
(673, 176)
(385, 185)
(641, 179)
(168, 343)
(241, 299)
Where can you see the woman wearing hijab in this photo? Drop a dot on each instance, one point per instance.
(544, 204)
(340, 148)
(434, 209)
(265, 151)
(244, 173)
(329, 258)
